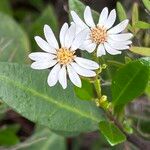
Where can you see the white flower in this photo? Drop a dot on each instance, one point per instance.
(102, 36)
(63, 59)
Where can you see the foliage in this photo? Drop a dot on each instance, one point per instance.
(101, 104)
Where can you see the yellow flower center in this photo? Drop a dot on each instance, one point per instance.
(65, 56)
(98, 35)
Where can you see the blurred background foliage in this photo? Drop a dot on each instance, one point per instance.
(20, 21)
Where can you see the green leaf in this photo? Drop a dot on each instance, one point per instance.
(44, 139)
(122, 14)
(79, 8)
(112, 133)
(146, 61)
(142, 25)
(128, 83)
(86, 92)
(146, 4)
(8, 136)
(49, 17)
(14, 44)
(145, 51)
(26, 90)
(5, 7)
(135, 14)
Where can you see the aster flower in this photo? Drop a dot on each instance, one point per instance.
(103, 36)
(63, 59)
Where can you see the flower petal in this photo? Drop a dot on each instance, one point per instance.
(121, 37)
(90, 47)
(80, 37)
(39, 65)
(118, 28)
(74, 77)
(70, 35)
(44, 45)
(50, 37)
(101, 50)
(119, 45)
(103, 17)
(82, 71)
(78, 20)
(41, 56)
(111, 50)
(62, 77)
(88, 17)
(63, 33)
(86, 63)
(111, 19)
(53, 75)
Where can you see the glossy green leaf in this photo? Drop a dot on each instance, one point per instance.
(146, 4)
(128, 83)
(112, 133)
(142, 25)
(44, 139)
(146, 61)
(14, 44)
(26, 90)
(86, 92)
(145, 51)
(79, 8)
(49, 17)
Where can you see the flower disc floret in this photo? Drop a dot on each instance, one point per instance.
(65, 56)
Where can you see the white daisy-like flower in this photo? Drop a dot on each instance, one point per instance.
(103, 36)
(63, 59)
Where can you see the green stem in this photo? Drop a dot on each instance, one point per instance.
(97, 82)
(97, 85)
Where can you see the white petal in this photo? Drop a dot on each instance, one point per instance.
(119, 45)
(74, 77)
(44, 45)
(85, 43)
(101, 50)
(121, 37)
(78, 21)
(79, 39)
(41, 56)
(103, 17)
(88, 17)
(53, 76)
(43, 64)
(90, 47)
(128, 42)
(111, 19)
(50, 37)
(63, 33)
(62, 77)
(86, 63)
(82, 71)
(118, 28)
(70, 35)
(111, 50)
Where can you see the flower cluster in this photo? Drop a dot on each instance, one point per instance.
(79, 35)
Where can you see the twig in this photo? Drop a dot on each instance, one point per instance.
(134, 139)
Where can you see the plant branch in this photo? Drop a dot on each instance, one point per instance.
(132, 138)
